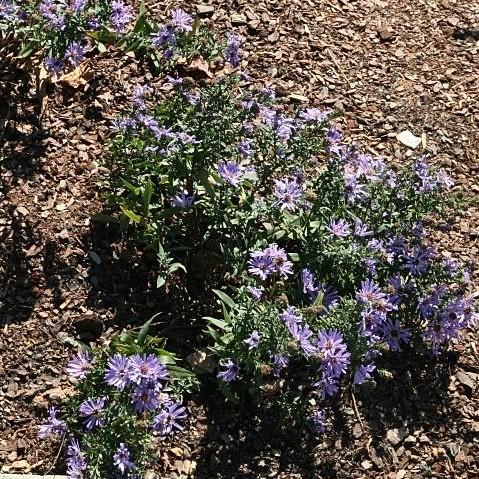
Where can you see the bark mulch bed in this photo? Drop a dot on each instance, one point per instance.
(389, 66)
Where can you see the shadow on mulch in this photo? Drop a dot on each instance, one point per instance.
(18, 294)
(247, 443)
(20, 121)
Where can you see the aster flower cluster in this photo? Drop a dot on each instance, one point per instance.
(61, 27)
(168, 36)
(133, 388)
(330, 250)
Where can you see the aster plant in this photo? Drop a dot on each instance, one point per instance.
(328, 253)
(128, 399)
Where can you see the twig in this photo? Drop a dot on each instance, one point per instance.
(355, 408)
(58, 454)
(338, 66)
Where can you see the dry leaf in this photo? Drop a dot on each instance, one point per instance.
(77, 77)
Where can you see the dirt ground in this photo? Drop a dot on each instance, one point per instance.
(388, 66)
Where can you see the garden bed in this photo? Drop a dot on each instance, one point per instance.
(66, 276)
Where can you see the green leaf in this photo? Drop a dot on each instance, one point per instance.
(225, 298)
(160, 281)
(144, 332)
(294, 257)
(217, 322)
(179, 372)
(133, 216)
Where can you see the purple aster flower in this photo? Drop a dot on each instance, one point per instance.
(289, 193)
(371, 265)
(164, 36)
(260, 264)
(327, 386)
(146, 396)
(53, 426)
(471, 316)
(444, 180)
(231, 172)
(333, 136)
(353, 188)
(429, 305)
(121, 459)
(7, 9)
(329, 342)
(302, 334)
(336, 364)
(245, 149)
(319, 421)
(395, 335)
(256, 293)
(232, 51)
(192, 97)
(138, 96)
(419, 261)
(78, 6)
(311, 115)
(79, 366)
(280, 362)
(75, 53)
(186, 138)
(269, 261)
(76, 461)
(145, 368)
(280, 260)
(181, 21)
(291, 316)
(363, 373)
(361, 230)
(118, 372)
(283, 126)
(230, 371)
(182, 200)
(49, 11)
(370, 292)
(123, 124)
(54, 66)
(336, 358)
(93, 24)
(370, 322)
(120, 15)
(339, 228)
(308, 280)
(169, 418)
(267, 93)
(91, 410)
(253, 340)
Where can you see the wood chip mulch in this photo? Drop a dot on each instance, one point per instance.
(389, 66)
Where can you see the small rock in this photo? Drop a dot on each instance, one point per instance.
(22, 210)
(386, 34)
(237, 19)
(205, 9)
(357, 431)
(23, 465)
(366, 464)
(396, 436)
(466, 380)
(298, 98)
(409, 139)
(410, 440)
